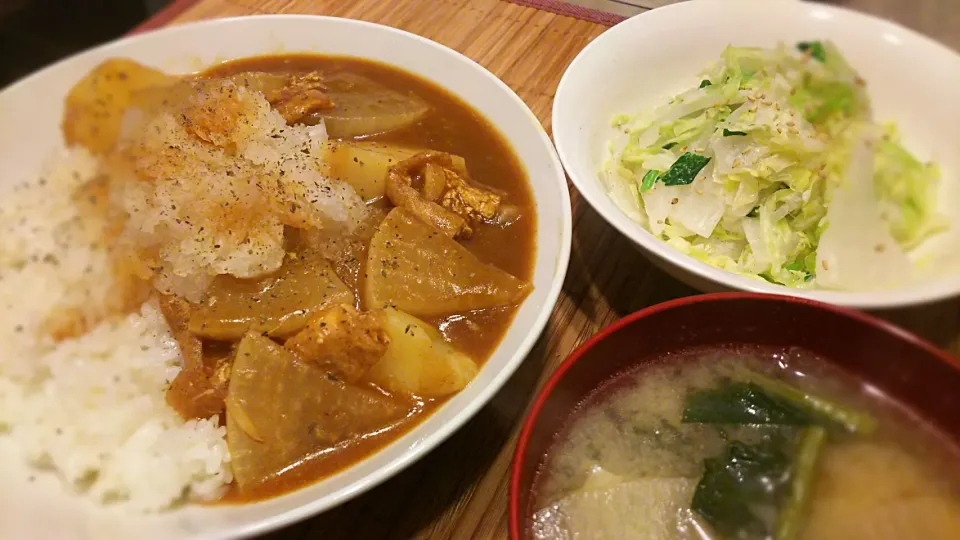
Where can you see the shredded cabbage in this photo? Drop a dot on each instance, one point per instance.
(741, 171)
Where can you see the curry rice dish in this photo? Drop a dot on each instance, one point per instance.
(234, 283)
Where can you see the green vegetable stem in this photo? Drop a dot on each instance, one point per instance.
(852, 420)
(648, 180)
(793, 512)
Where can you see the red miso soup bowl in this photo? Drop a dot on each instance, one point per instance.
(909, 371)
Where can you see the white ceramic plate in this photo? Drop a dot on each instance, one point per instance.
(645, 60)
(30, 113)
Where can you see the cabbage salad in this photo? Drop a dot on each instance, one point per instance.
(773, 168)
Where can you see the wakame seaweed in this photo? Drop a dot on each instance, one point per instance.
(741, 403)
(746, 485)
(763, 400)
(740, 483)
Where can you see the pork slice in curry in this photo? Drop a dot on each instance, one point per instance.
(353, 333)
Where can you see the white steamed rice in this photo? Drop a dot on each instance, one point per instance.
(91, 409)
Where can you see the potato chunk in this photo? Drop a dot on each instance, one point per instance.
(415, 268)
(279, 305)
(95, 106)
(342, 340)
(418, 362)
(364, 164)
(281, 411)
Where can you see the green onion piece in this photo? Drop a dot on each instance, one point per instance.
(793, 513)
(669, 145)
(852, 420)
(649, 180)
(705, 83)
(684, 169)
(815, 48)
(728, 133)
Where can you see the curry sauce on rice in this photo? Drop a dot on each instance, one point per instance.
(236, 282)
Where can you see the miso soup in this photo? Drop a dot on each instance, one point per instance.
(756, 443)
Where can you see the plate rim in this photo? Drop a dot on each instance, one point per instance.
(931, 291)
(515, 358)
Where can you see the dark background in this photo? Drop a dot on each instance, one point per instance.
(34, 33)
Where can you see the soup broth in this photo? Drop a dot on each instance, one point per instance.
(747, 443)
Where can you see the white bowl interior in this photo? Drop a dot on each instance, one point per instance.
(30, 130)
(641, 62)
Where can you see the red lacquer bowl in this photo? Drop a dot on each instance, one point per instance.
(907, 369)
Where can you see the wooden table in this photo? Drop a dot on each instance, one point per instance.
(460, 489)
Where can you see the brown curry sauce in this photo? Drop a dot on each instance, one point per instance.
(451, 126)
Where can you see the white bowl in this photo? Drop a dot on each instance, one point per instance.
(30, 113)
(644, 60)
